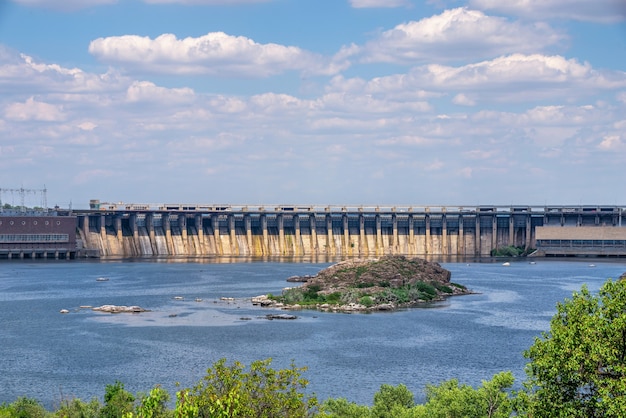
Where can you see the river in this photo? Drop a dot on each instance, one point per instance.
(52, 356)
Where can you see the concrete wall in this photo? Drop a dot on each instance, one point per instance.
(307, 234)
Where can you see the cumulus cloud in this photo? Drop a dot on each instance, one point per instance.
(20, 73)
(144, 91)
(33, 110)
(610, 143)
(604, 11)
(216, 53)
(458, 34)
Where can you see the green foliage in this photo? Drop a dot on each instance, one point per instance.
(366, 301)
(341, 408)
(451, 400)
(75, 408)
(23, 407)
(578, 368)
(117, 401)
(391, 398)
(154, 405)
(511, 251)
(333, 298)
(232, 391)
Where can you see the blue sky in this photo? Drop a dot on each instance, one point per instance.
(442, 102)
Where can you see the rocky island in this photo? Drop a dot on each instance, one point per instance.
(381, 284)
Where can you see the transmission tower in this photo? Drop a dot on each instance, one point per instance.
(22, 192)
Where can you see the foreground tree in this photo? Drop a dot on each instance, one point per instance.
(578, 368)
(232, 391)
(447, 400)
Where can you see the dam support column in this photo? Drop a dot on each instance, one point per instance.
(117, 222)
(346, 234)
(494, 233)
(362, 240)
(313, 226)
(395, 247)
(411, 235)
(263, 220)
(232, 232)
(200, 232)
(298, 244)
(215, 226)
(528, 231)
(103, 234)
(428, 239)
(444, 234)
(330, 244)
(165, 221)
(280, 222)
(132, 223)
(86, 230)
(150, 229)
(460, 244)
(247, 224)
(511, 230)
(182, 225)
(379, 237)
(477, 246)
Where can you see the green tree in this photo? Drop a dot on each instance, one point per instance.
(75, 408)
(391, 398)
(234, 391)
(154, 405)
(578, 368)
(23, 407)
(117, 401)
(342, 408)
(451, 400)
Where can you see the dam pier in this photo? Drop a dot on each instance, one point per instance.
(144, 230)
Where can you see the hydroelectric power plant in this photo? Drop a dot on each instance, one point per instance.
(138, 230)
(333, 231)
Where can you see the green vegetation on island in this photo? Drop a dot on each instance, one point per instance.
(576, 369)
(511, 251)
(385, 283)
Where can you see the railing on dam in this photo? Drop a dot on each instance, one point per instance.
(336, 230)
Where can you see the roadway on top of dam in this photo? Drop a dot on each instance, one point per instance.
(308, 209)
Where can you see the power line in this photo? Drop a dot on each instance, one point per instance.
(22, 192)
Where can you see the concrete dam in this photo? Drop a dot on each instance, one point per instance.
(136, 230)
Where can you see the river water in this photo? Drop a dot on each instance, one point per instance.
(52, 356)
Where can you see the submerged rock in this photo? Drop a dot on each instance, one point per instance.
(120, 309)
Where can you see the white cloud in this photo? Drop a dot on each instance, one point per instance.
(33, 110)
(519, 78)
(606, 11)
(216, 53)
(144, 91)
(456, 35)
(463, 100)
(362, 4)
(611, 143)
(20, 73)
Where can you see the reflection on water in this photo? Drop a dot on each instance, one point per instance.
(44, 353)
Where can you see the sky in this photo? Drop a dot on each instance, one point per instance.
(313, 102)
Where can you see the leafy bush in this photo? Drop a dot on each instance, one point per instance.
(233, 391)
(366, 301)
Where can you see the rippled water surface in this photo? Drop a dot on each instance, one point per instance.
(51, 356)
